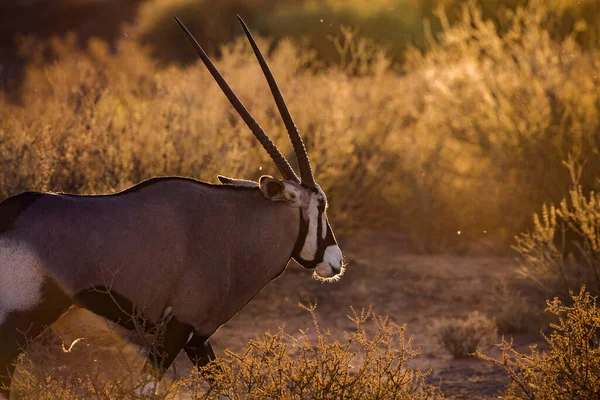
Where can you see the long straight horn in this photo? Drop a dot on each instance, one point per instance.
(308, 179)
(282, 164)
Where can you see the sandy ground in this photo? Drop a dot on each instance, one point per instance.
(411, 289)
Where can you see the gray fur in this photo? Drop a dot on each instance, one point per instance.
(174, 243)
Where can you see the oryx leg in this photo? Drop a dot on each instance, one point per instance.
(167, 346)
(199, 351)
(20, 327)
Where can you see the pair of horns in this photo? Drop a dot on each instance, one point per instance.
(282, 164)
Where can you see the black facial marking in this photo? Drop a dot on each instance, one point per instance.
(321, 207)
(322, 243)
(302, 232)
(12, 207)
(112, 306)
(21, 327)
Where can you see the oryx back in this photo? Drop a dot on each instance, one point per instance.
(163, 243)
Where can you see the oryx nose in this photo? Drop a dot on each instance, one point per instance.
(336, 268)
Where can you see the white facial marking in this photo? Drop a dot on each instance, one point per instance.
(292, 193)
(21, 277)
(309, 250)
(332, 267)
(190, 337)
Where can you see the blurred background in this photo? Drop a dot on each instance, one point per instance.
(448, 121)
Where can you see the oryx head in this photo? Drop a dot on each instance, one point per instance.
(316, 247)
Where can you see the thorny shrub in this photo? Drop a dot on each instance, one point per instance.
(461, 337)
(369, 362)
(517, 306)
(562, 251)
(570, 366)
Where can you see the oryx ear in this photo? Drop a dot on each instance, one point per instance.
(236, 182)
(272, 189)
(224, 180)
(277, 190)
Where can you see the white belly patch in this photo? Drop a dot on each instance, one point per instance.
(21, 277)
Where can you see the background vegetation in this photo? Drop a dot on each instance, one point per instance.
(470, 133)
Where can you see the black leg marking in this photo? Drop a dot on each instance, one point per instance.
(166, 347)
(20, 328)
(112, 306)
(199, 351)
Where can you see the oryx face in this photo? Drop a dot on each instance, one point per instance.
(316, 247)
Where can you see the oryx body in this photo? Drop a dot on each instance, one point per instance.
(168, 250)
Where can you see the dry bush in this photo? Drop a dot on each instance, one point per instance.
(461, 337)
(369, 362)
(566, 16)
(514, 307)
(497, 115)
(570, 367)
(562, 252)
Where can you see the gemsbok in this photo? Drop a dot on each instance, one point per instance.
(188, 253)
